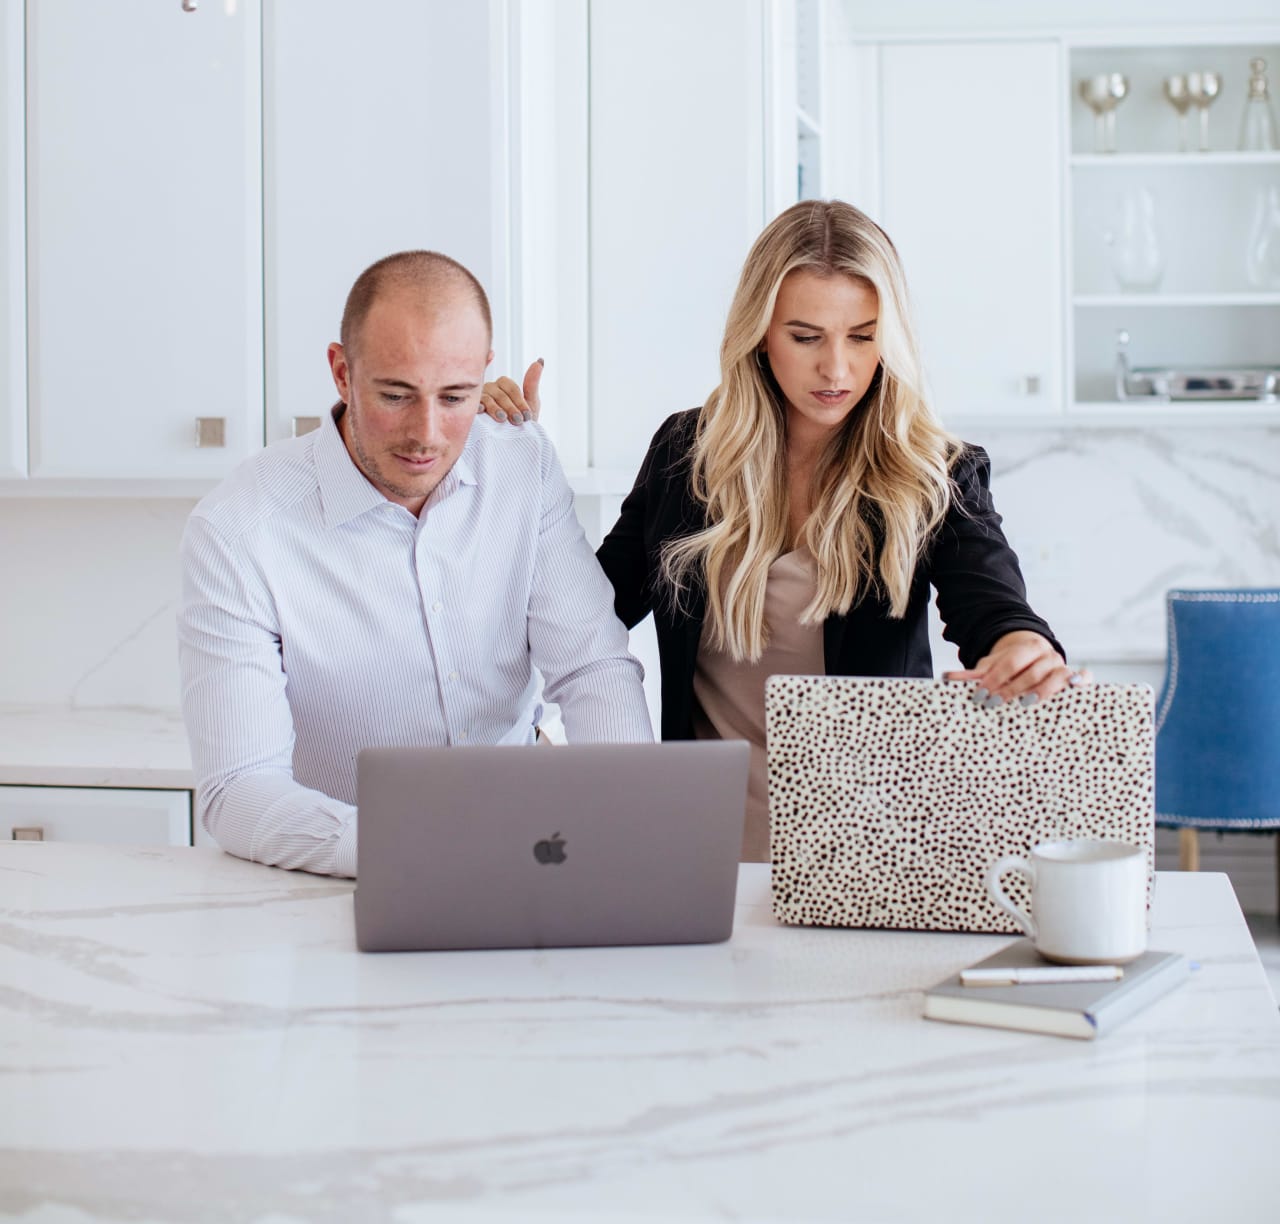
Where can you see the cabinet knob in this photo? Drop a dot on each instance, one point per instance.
(211, 431)
(1029, 384)
(305, 425)
(30, 833)
(188, 6)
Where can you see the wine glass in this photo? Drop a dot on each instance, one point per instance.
(1203, 88)
(1103, 92)
(1175, 90)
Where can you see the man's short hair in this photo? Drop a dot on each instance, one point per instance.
(428, 271)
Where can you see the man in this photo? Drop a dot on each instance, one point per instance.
(390, 579)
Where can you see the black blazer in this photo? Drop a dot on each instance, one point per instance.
(981, 595)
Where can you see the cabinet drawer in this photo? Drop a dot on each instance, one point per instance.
(96, 814)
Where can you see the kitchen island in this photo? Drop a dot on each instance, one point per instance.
(188, 1037)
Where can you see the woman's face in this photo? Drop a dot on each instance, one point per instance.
(821, 345)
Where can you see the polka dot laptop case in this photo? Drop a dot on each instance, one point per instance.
(889, 799)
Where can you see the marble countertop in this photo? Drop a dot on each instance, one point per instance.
(65, 746)
(188, 1037)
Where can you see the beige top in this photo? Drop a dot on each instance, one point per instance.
(729, 697)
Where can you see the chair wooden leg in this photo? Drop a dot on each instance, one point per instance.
(1188, 849)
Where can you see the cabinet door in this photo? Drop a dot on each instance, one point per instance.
(144, 236)
(95, 814)
(385, 130)
(13, 314)
(972, 198)
(677, 198)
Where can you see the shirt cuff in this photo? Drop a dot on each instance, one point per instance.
(344, 853)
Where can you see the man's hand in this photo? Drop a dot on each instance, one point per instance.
(504, 401)
(1022, 666)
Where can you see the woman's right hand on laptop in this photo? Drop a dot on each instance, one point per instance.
(1022, 666)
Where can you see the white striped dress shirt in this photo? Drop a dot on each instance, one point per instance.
(319, 618)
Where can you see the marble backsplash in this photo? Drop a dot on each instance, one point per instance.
(1104, 522)
(89, 599)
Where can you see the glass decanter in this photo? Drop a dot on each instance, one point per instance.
(1258, 128)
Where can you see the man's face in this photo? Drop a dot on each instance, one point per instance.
(411, 383)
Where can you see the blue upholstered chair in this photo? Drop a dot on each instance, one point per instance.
(1218, 716)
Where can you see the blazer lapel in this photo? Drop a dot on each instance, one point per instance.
(833, 631)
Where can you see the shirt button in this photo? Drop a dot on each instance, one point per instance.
(452, 677)
(435, 607)
(461, 736)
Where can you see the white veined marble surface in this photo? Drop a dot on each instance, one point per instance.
(188, 1037)
(66, 746)
(1106, 521)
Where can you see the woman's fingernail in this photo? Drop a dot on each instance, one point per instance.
(528, 416)
(541, 362)
(499, 415)
(980, 695)
(993, 701)
(1029, 699)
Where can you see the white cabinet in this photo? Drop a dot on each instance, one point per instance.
(970, 172)
(95, 814)
(203, 186)
(13, 313)
(1160, 234)
(144, 237)
(385, 130)
(978, 156)
(677, 198)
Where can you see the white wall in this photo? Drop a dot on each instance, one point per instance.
(875, 16)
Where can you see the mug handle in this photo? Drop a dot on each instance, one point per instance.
(1012, 862)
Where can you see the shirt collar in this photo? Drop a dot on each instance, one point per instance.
(346, 494)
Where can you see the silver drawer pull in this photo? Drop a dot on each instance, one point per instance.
(1029, 384)
(188, 6)
(211, 431)
(305, 425)
(31, 833)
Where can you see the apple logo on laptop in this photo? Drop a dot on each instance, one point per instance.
(549, 849)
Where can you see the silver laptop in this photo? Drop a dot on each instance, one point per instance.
(536, 847)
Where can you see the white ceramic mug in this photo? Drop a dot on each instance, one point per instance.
(1088, 900)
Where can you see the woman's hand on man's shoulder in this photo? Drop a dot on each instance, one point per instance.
(504, 400)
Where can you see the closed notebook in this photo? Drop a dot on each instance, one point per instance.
(1069, 1009)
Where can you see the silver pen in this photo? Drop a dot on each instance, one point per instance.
(1041, 975)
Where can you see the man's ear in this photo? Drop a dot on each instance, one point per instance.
(341, 371)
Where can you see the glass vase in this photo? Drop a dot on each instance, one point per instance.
(1137, 260)
(1262, 258)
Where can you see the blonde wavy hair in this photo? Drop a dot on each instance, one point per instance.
(880, 487)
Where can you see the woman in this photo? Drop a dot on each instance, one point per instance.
(796, 522)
